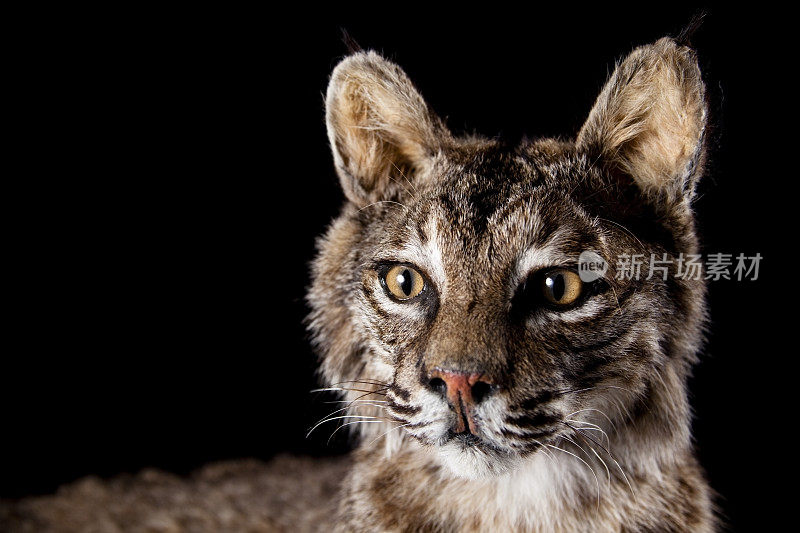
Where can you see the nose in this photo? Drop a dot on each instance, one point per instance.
(464, 391)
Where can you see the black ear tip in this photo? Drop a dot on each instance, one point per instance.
(685, 36)
(351, 44)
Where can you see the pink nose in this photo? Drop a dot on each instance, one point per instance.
(463, 390)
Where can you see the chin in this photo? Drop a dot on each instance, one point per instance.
(475, 460)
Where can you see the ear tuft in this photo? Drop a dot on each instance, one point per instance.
(378, 125)
(650, 118)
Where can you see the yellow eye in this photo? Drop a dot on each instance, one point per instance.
(403, 282)
(561, 286)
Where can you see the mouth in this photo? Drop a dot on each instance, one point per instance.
(471, 457)
(465, 438)
(471, 443)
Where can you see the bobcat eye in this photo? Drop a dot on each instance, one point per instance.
(561, 287)
(403, 282)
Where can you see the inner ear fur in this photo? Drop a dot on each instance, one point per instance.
(380, 129)
(649, 120)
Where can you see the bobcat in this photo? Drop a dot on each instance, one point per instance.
(491, 385)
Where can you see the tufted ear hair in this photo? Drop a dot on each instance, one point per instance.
(380, 129)
(649, 120)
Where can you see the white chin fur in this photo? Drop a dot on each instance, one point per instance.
(470, 462)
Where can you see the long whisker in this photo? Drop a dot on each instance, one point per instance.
(597, 411)
(546, 452)
(589, 424)
(348, 389)
(339, 418)
(346, 407)
(608, 472)
(387, 432)
(623, 411)
(359, 399)
(591, 427)
(362, 381)
(597, 481)
(581, 448)
(350, 424)
(611, 455)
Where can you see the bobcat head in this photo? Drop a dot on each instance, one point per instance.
(446, 301)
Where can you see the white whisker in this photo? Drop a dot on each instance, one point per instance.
(611, 456)
(597, 411)
(597, 481)
(386, 432)
(346, 407)
(339, 418)
(352, 423)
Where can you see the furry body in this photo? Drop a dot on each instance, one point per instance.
(288, 494)
(582, 421)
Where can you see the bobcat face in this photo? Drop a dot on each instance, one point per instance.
(446, 298)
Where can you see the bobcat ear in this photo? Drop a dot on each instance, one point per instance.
(379, 127)
(649, 120)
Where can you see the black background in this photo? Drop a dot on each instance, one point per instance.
(161, 317)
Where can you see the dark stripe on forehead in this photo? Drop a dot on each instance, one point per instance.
(423, 236)
(514, 203)
(474, 199)
(484, 202)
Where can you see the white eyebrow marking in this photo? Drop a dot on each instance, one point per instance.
(433, 252)
(536, 257)
(427, 255)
